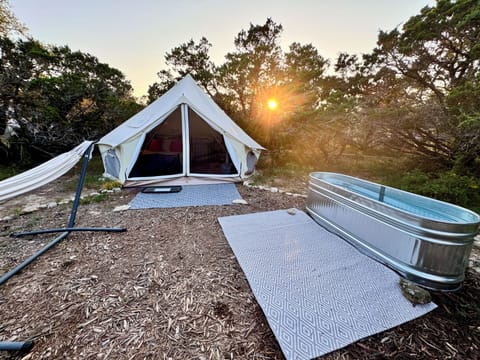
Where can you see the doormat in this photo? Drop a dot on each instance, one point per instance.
(317, 292)
(191, 195)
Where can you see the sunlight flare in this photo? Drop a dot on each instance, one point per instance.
(272, 104)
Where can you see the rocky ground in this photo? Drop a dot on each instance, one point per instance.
(171, 288)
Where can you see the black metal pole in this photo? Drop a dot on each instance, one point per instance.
(76, 201)
(15, 270)
(16, 345)
(70, 229)
(66, 231)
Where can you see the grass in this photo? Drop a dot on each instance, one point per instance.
(93, 178)
(93, 199)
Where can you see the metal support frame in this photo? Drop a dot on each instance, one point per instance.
(16, 346)
(26, 345)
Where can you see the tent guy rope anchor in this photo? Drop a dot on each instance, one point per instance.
(26, 345)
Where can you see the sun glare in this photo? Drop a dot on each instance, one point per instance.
(272, 104)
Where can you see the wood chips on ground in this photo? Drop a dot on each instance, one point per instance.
(171, 288)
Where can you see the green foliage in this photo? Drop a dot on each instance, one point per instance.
(52, 98)
(188, 58)
(111, 184)
(94, 199)
(445, 186)
(6, 172)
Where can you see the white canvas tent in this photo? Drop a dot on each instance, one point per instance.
(182, 137)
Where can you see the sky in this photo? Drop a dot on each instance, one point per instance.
(134, 35)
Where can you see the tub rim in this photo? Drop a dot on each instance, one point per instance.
(412, 217)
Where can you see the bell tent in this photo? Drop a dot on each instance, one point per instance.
(182, 137)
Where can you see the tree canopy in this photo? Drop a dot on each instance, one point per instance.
(416, 93)
(51, 98)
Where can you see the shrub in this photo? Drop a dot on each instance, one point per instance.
(447, 186)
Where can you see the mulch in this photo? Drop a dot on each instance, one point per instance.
(171, 288)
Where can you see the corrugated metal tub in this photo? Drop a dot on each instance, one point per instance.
(425, 240)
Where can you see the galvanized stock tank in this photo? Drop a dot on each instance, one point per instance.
(425, 240)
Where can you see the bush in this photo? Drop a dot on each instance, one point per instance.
(447, 186)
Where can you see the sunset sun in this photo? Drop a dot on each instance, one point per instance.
(272, 104)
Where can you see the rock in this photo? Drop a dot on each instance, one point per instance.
(93, 194)
(292, 211)
(240, 201)
(51, 204)
(30, 208)
(121, 208)
(476, 241)
(273, 189)
(116, 189)
(414, 293)
(7, 218)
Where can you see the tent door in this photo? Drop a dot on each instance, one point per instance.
(162, 153)
(207, 152)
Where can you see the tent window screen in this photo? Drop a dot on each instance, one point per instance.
(162, 150)
(112, 164)
(208, 153)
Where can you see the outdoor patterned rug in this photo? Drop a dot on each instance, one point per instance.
(318, 293)
(191, 195)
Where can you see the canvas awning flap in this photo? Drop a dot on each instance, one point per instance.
(42, 174)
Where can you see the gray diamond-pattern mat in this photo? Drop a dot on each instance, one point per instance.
(190, 195)
(318, 293)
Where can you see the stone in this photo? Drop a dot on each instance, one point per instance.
(240, 201)
(51, 204)
(30, 208)
(121, 208)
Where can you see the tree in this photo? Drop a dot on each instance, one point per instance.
(411, 91)
(188, 58)
(9, 24)
(436, 53)
(254, 66)
(305, 69)
(52, 98)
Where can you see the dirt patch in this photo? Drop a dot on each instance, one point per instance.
(171, 288)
